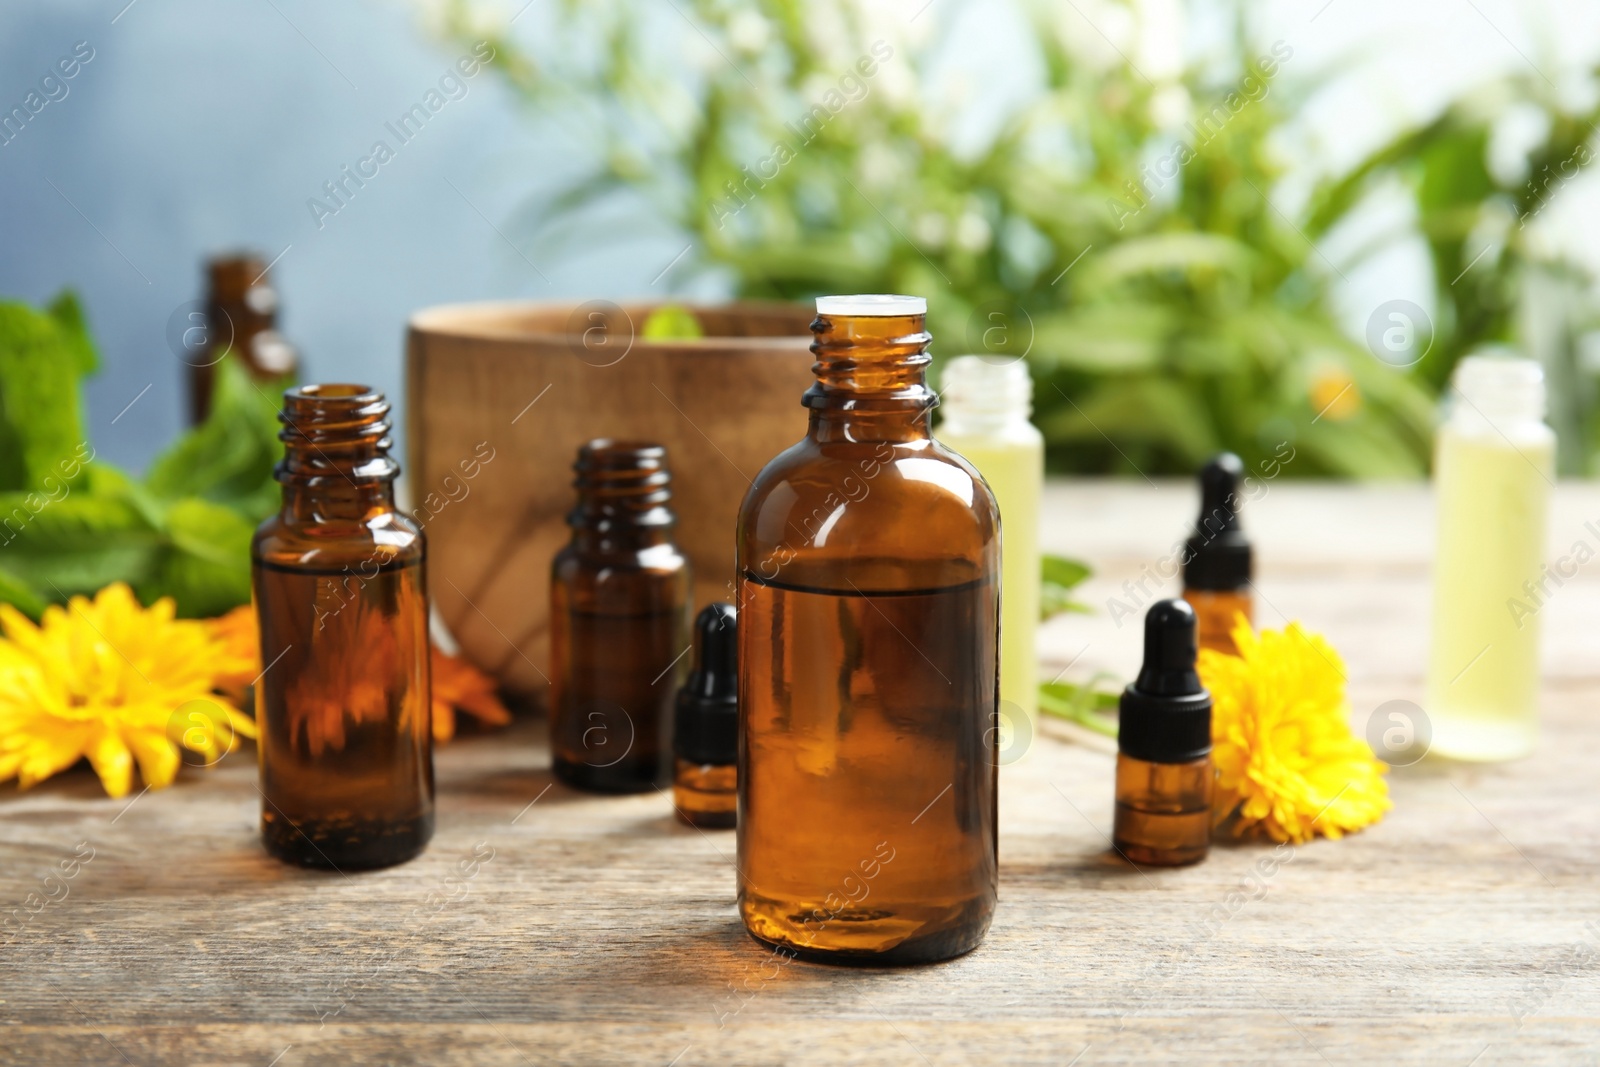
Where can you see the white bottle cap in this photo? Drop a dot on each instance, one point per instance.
(986, 385)
(875, 304)
(1498, 382)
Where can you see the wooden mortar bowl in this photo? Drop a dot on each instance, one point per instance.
(525, 384)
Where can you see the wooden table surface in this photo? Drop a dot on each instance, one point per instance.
(1464, 929)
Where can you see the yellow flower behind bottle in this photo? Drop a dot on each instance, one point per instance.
(457, 685)
(113, 682)
(1288, 765)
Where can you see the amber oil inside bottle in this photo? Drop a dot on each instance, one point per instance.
(619, 625)
(343, 705)
(706, 794)
(1216, 612)
(1163, 811)
(868, 628)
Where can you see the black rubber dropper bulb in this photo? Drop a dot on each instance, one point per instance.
(706, 727)
(1217, 555)
(1165, 715)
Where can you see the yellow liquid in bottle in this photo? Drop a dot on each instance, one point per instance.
(1483, 677)
(1012, 462)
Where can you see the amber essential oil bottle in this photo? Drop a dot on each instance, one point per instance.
(343, 706)
(1217, 557)
(868, 570)
(1164, 775)
(705, 726)
(619, 623)
(240, 317)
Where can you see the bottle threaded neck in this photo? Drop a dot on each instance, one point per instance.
(868, 362)
(1498, 385)
(335, 433)
(621, 484)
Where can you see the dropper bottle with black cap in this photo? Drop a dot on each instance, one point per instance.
(706, 726)
(1216, 557)
(1164, 775)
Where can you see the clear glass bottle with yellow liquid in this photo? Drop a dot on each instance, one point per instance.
(985, 402)
(1494, 465)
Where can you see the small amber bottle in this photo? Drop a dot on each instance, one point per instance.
(241, 317)
(869, 568)
(1217, 557)
(1163, 811)
(619, 622)
(343, 711)
(705, 740)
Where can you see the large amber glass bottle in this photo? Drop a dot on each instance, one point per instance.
(869, 561)
(619, 623)
(345, 747)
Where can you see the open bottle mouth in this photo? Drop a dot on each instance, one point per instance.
(337, 430)
(626, 483)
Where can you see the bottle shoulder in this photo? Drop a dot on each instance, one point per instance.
(912, 513)
(1471, 428)
(387, 537)
(664, 558)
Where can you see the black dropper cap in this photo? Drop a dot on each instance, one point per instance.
(1218, 555)
(706, 727)
(1165, 715)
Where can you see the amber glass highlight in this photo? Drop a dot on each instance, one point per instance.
(868, 562)
(619, 623)
(345, 749)
(706, 794)
(1214, 613)
(1163, 811)
(241, 310)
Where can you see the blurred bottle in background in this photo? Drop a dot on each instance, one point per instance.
(1494, 465)
(1217, 557)
(241, 316)
(619, 623)
(984, 406)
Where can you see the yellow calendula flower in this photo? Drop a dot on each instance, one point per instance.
(1288, 766)
(1334, 394)
(458, 684)
(238, 651)
(113, 682)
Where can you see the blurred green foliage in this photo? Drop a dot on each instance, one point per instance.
(1058, 577)
(1493, 276)
(70, 524)
(1121, 231)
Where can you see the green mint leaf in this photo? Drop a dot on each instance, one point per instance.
(228, 459)
(1058, 576)
(205, 562)
(42, 358)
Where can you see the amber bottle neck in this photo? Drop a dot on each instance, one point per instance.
(241, 301)
(336, 462)
(871, 375)
(623, 497)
